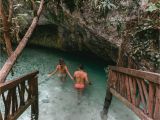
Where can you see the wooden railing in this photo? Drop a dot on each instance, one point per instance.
(139, 90)
(17, 95)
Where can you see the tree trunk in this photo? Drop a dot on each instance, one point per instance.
(1, 116)
(10, 10)
(108, 100)
(6, 30)
(107, 103)
(33, 7)
(11, 60)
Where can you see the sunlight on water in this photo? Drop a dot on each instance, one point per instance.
(58, 101)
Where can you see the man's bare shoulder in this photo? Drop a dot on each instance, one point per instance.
(65, 67)
(76, 72)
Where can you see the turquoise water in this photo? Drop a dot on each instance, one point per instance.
(58, 101)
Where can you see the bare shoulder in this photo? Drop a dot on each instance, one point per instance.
(75, 72)
(78, 72)
(66, 67)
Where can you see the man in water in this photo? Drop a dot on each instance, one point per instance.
(81, 80)
(62, 70)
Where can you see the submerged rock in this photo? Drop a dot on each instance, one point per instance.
(45, 101)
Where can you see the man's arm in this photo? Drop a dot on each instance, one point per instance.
(87, 80)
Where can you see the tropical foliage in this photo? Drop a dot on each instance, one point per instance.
(153, 6)
(103, 5)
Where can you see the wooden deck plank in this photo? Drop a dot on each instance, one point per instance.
(22, 109)
(150, 76)
(12, 83)
(131, 106)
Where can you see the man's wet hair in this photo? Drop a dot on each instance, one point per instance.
(81, 67)
(61, 61)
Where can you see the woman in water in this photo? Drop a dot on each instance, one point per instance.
(81, 80)
(62, 71)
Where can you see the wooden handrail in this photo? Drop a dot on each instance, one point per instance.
(153, 77)
(139, 90)
(17, 95)
(12, 83)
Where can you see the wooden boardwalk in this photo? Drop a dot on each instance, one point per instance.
(139, 90)
(18, 95)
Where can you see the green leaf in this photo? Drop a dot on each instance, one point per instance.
(151, 7)
(38, 2)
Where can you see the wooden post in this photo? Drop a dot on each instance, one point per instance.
(37, 98)
(107, 103)
(151, 99)
(1, 116)
(128, 89)
(145, 91)
(141, 94)
(157, 104)
(111, 82)
(35, 105)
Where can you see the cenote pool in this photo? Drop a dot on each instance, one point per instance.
(58, 101)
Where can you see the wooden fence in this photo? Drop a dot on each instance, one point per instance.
(17, 95)
(139, 90)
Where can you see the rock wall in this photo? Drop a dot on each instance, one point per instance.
(76, 39)
(130, 23)
(110, 35)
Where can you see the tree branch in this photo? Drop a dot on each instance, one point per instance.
(12, 59)
(33, 7)
(10, 10)
(6, 30)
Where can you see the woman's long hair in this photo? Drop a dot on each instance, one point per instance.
(61, 63)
